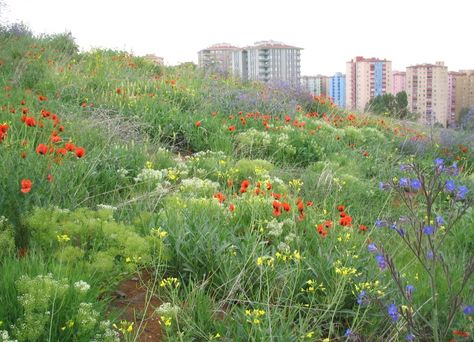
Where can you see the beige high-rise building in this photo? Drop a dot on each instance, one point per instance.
(273, 61)
(365, 79)
(217, 58)
(316, 85)
(452, 85)
(427, 91)
(464, 97)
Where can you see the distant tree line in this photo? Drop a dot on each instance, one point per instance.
(395, 106)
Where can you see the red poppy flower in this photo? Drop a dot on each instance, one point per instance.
(70, 146)
(269, 186)
(42, 98)
(26, 185)
(42, 149)
(286, 206)
(461, 333)
(80, 151)
(232, 128)
(45, 113)
(24, 110)
(55, 139)
(23, 154)
(198, 123)
(309, 203)
(365, 154)
(362, 228)
(23, 102)
(49, 177)
(220, 197)
(61, 151)
(346, 221)
(276, 196)
(340, 208)
(118, 91)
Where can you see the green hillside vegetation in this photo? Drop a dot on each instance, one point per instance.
(256, 212)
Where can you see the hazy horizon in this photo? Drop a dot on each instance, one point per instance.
(408, 33)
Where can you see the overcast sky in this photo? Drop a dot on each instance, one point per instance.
(331, 32)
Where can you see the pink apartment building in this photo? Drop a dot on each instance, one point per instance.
(365, 79)
(398, 84)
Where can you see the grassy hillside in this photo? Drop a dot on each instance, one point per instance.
(255, 212)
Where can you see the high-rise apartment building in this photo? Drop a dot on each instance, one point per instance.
(464, 91)
(337, 89)
(427, 92)
(217, 58)
(316, 85)
(398, 82)
(452, 80)
(264, 61)
(365, 79)
(273, 61)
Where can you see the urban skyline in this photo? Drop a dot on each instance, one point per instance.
(175, 30)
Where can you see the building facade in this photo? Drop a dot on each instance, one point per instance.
(464, 91)
(365, 79)
(427, 92)
(273, 61)
(316, 85)
(452, 80)
(398, 82)
(337, 89)
(217, 58)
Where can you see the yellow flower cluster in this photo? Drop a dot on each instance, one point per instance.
(265, 260)
(63, 238)
(125, 327)
(295, 256)
(312, 286)
(159, 232)
(372, 287)
(166, 320)
(253, 316)
(170, 282)
(344, 270)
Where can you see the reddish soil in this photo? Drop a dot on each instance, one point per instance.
(131, 301)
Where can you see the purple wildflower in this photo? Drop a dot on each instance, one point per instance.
(428, 230)
(409, 291)
(348, 333)
(410, 337)
(415, 184)
(429, 255)
(393, 312)
(361, 298)
(381, 261)
(372, 248)
(469, 309)
(461, 192)
(449, 185)
(403, 182)
(439, 220)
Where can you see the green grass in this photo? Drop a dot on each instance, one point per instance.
(246, 270)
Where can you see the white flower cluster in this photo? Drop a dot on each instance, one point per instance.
(275, 228)
(108, 334)
(252, 137)
(166, 309)
(3, 220)
(106, 207)
(122, 172)
(87, 316)
(82, 286)
(283, 143)
(149, 175)
(5, 337)
(198, 186)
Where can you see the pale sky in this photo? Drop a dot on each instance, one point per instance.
(331, 32)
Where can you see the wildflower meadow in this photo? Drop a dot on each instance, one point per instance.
(141, 202)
